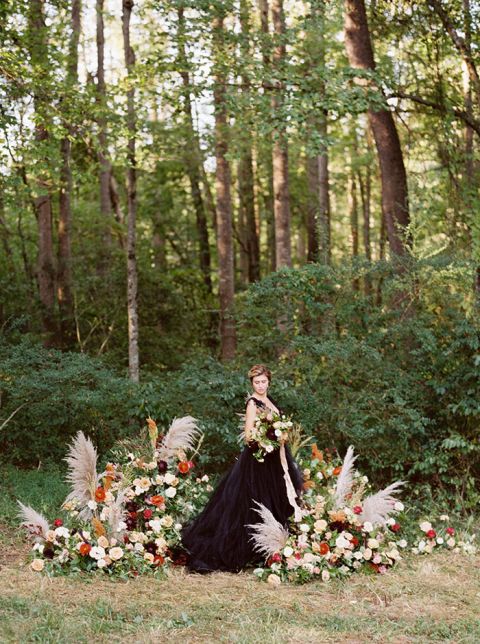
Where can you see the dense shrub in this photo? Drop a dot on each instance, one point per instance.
(399, 381)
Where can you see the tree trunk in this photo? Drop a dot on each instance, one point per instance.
(365, 196)
(42, 201)
(283, 252)
(313, 208)
(223, 198)
(392, 169)
(266, 159)
(64, 273)
(353, 211)
(104, 163)
(245, 167)
(132, 278)
(192, 157)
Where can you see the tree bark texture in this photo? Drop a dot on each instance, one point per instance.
(42, 199)
(132, 277)
(281, 190)
(64, 272)
(392, 169)
(223, 200)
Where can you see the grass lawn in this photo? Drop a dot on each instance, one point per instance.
(433, 598)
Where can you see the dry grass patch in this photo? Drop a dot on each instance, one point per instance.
(430, 599)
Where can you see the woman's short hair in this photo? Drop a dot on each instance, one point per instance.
(259, 370)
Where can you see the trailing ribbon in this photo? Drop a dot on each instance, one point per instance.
(291, 494)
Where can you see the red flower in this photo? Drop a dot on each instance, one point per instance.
(431, 534)
(147, 514)
(337, 470)
(183, 467)
(275, 558)
(354, 541)
(395, 527)
(324, 548)
(297, 555)
(133, 515)
(100, 494)
(357, 509)
(57, 523)
(158, 560)
(84, 549)
(450, 531)
(157, 500)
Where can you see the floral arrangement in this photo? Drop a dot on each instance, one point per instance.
(344, 528)
(270, 429)
(126, 520)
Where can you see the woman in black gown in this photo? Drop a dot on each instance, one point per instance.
(218, 538)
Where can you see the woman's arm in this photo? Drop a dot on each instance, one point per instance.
(250, 415)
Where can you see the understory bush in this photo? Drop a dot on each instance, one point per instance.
(360, 354)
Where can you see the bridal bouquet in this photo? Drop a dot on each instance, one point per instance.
(269, 431)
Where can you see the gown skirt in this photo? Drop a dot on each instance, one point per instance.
(218, 538)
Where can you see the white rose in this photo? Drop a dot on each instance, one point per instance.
(50, 536)
(304, 527)
(367, 527)
(367, 554)
(38, 565)
(86, 535)
(402, 543)
(393, 554)
(341, 542)
(391, 521)
(156, 525)
(425, 526)
(308, 557)
(439, 541)
(319, 476)
(399, 507)
(62, 532)
(167, 521)
(278, 432)
(372, 543)
(320, 525)
(178, 527)
(169, 478)
(325, 575)
(139, 547)
(288, 551)
(205, 478)
(160, 543)
(358, 555)
(159, 479)
(421, 545)
(101, 563)
(92, 505)
(149, 557)
(274, 580)
(451, 542)
(116, 553)
(444, 517)
(97, 552)
(103, 542)
(170, 492)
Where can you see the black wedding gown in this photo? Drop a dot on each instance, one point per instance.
(218, 538)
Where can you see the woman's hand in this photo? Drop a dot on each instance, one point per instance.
(250, 415)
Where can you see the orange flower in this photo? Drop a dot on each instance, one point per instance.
(337, 470)
(107, 482)
(183, 467)
(100, 494)
(110, 468)
(307, 485)
(316, 453)
(158, 560)
(157, 500)
(324, 548)
(84, 549)
(98, 527)
(337, 515)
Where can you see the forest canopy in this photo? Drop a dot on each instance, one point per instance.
(188, 187)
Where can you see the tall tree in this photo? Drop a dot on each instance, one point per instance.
(192, 155)
(103, 160)
(223, 193)
(64, 273)
(246, 179)
(392, 169)
(132, 277)
(38, 46)
(281, 189)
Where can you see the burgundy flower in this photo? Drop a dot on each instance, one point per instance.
(48, 551)
(450, 531)
(162, 467)
(131, 506)
(147, 514)
(151, 547)
(271, 434)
